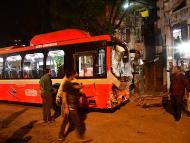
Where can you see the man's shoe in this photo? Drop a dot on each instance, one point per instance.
(50, 121)
(61, 139)
(177, 118)
(85, 140)
(42, 122)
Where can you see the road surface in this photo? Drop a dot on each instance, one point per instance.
(129, 124)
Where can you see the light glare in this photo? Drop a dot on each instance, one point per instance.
(184, 48)
(126, 5)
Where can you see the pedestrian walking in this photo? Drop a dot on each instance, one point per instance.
(60, 91)
(59, 96)
(70, 105)
(177, 91)
(187, 74)
(56, 107)
(183, 68)
(46, 89)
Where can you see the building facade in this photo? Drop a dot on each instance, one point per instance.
(174, 23)
(131, 32)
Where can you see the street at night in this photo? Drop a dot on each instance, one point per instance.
(127, 62)
(129, 124)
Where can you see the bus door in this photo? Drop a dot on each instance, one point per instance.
(84, 63)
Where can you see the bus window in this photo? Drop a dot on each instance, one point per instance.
(55, 61)
(85, 66)
(1, 67)
(101, 63)
(33, 65)
(13, 67)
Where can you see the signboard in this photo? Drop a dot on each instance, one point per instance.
(179, 16)
(172, 4)
(176, 3)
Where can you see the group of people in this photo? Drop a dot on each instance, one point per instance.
(179, 87)
(70, 91)
(67, 98)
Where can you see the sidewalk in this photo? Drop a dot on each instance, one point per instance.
(148, 99)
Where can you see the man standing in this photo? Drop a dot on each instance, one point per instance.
(46, 87)
(56, 107)
(170, 70)
(60, 92)
(187, 74)
(177, 90)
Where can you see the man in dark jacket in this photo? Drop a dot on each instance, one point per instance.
(177, 91)
(70, 111)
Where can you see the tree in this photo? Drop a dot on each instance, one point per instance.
(95, 16)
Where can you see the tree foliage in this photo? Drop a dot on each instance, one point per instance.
(95, 16)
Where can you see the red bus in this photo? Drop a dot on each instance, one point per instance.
(101, 62)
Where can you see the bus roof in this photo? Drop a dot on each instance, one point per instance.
(62, 37)
(57, 36)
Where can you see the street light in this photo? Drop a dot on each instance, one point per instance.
(126, 5)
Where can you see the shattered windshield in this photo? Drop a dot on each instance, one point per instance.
(120, 66)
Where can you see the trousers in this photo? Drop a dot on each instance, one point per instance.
(177, 105)
(46, 106)
(75, 120)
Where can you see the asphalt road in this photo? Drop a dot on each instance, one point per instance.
(129, 124)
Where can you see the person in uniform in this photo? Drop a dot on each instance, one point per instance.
(46, 89)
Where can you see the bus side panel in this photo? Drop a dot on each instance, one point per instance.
(97, 95)
(90, 95)
(27, 93)
(103, 93)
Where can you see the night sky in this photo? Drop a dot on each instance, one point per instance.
(20, 19)
(23, 19)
